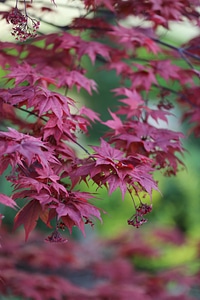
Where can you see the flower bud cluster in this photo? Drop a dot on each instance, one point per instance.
(138, 218)
(55, 237)
(21, 28)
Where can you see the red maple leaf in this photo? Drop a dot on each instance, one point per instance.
(22, 144)
(106, 154)
(25, 73)
(28, 216)
(92, 49)
(77, 79)
(8, 201)
(46, 100)
(75, 208)
(115, 124)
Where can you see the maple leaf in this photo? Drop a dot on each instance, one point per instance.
(60, 128)
(99, 3)
(28, 216)
(75, 209)
(76, 78)
(129, 37)
(4, 163)
(166, 69)
(141, 174)
(28, 146)
(151, 45)
(18, 95)
(106, 154)
(115, 124)
(158, 114)
(24, 72)
(143, 78)
(114, 182)
(92, 49)
(46, 100)
(133, 97)
(89, 113)
(81, 23)
(121, 67)
(33, 183)
(8, 201)
(64, 41)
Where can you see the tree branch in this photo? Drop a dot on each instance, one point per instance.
(177, 49)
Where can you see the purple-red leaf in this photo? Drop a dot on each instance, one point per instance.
(8, 201)
(28, 216)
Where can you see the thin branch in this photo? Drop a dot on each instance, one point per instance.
(177, 49)
(83, 148)
(30, 112)
(159, 86)
(197, 57)
(184, 57)
(181, 95)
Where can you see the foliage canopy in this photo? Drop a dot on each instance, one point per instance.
(45, 168)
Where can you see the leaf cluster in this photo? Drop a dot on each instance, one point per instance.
(45, 168)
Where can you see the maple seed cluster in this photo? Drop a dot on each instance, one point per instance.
(56, 237)
(21, 29)
(138, 218)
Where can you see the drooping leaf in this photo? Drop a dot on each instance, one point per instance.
(28, 216)
(8, 201)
